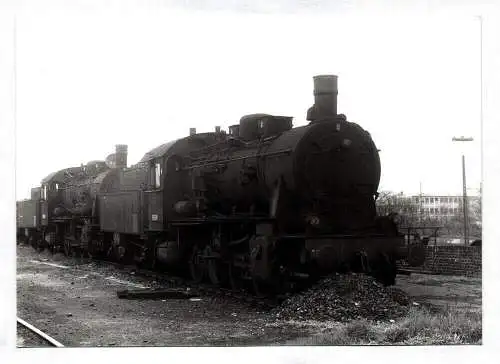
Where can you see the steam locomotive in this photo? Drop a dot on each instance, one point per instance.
(264, 206)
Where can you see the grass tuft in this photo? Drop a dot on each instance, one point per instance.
(419, 327)
(360, 331)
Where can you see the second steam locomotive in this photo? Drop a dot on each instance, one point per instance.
(265, 205)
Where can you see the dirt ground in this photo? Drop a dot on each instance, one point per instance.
(443, 292)
(76, 303)
(28, 339)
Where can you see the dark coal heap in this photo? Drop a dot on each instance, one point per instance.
(343, 298)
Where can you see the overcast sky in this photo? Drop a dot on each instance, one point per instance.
(142, 75)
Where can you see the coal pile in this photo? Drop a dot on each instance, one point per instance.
(343, 298)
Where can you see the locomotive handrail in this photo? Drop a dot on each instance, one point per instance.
(218, 219)
(330, 236)
(222, 161)
(420, 227)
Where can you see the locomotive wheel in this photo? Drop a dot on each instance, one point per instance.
(58, 248)
(279, 284)
(67, 248)
(235, 277)
(32, 241)
(79, 253)
(197, 265)
(387, 271)
(285, 284)
(259, 287)
(94, 249)
(90, 249)
(148, 255)
(216, 269)
(40, 245)
(119, 253)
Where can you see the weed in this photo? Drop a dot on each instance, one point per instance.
(419, 327)
(360, 331)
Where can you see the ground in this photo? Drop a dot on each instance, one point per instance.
(75, 302)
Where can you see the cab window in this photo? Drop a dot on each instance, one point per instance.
(157, 174)
(44, 192)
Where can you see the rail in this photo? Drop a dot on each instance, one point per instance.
(43, 335)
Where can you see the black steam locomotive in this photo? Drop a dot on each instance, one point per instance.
(265, 205)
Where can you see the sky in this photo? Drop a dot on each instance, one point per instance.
(143, 75)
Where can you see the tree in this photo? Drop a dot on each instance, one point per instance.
(409, 208)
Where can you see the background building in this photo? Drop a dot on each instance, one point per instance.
(443, 210)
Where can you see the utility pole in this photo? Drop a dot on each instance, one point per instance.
(481, 107)
(420, 205)
(466, 225)
(464, 192)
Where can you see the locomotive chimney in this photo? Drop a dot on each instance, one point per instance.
(121, 156)
(192, 131)
(325, 98)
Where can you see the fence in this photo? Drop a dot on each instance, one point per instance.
(453, 260)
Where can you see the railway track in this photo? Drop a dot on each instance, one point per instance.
(40, 334)
(169, 280)
(174, 281)
(266, 302)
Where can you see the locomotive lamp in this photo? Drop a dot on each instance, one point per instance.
(396, 219)
(313, 220)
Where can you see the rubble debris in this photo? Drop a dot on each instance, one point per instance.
(343, 298)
